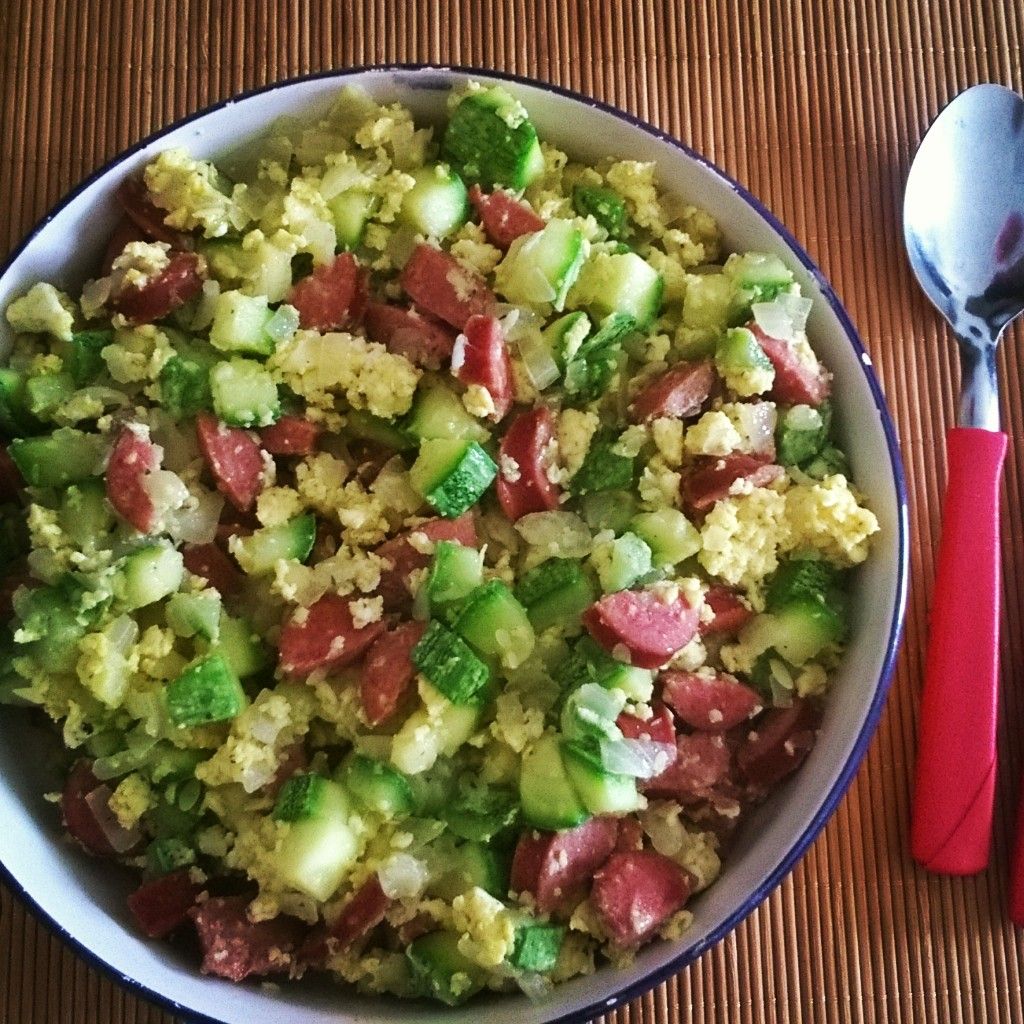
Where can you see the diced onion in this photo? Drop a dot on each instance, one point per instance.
(641, 758)
(534, 986)
(784, 317)
(195, 522)
(781, 683)
(121, 839)
(557, 533)
(109, 397)
(403, 877)
(540, 365)
(758, 422)
(283, 324)
(591, 711)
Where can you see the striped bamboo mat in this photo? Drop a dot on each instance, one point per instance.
(816, 105)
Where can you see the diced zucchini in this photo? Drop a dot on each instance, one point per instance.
(438, 414)
(537, 947)
(377, 786)
(437, 729)
(51, 625)
(149, 574)
(207, 691)
(603, 469)
(85, 514)
(671, 537)
(799, 631)
(589, 371)
(555, 592)
(449, 663)
(367, 427)
(490, 140)
(455, 570)
(244, 393)
(609, 510)
(482, 868)
(589, 714)
(620, 283)
(437, 204)
(301, 797)
(707, 307)
(547, 796)
(258, 553)
(540, 268)
(799, 578)
(564, 336)
(621, 562)
(444, 972)
(195, 614)
(589, 663)
(601, 792)
(481, 814)
(757, 277)
(242, 647)
(452, 475)
(318, 850)
(45, 394)
(239, 324)
(83, 359)
(496, 624)
(66, 456)
(351, 210)
(166, 855)
(828, 462)
(739, 354)
(14, 415)
(185, 383)
(606, 207)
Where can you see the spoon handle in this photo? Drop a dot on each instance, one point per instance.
(956, 758)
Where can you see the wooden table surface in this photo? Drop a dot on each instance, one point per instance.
(816, 106)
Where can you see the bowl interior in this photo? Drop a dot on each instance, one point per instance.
(85, 898)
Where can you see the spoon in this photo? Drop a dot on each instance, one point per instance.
(963, 224)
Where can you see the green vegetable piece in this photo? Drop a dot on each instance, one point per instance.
(45, 394)
(537, 947)
(620, 283)
(239, 323)
(621, 562)
(84, 359)
(609, 510)
(450, 664)
(556, 591)
(66, 456)
(85, 514)
(603, 469)
(589, 663)
(496, 624)
(489, 140)
(242, 647)
(564, 336)
(602, 792)
(481, 814)
(244, 393)
(757, 277)
(166, 855)
(149, 574)
(368, 427)
(301, 797)
(588, 372)
(671, 537)
(540, 267)
(207, 691)
(192, 614)
(604, 205)
(452, 475)
(547, 796)
(351, 210)
(800, 578)
(15, 420)
(438, 413)
(454, 572)
(185, 384)
(738, 350)
(437, 204)
(53, 620)
(377, 786)
(828, 462)
(443, 971)
(258, 553)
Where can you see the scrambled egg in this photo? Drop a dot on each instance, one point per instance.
(713, 434)
(576, 430)
(487, 927)
(43, 310)
(132, 798)
(742, 535)
(827, 517)
(188, 190)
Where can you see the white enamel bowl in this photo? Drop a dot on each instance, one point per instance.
(84, 899)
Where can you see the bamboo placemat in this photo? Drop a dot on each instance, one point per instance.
(817, 107)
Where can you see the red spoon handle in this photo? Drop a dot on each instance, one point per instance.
(956, 758)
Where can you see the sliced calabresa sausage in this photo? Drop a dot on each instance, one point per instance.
(440, 284)
(214, 566)
(636, 892)
(362, 913)
(291, 435)
(234, 458)
(504, 217)
(333, 297)
(388, 672)
(777, 744)
(678, 393)
(712, 703)
(641, 627)
(407, 332)
(711, 478)
(324, 636)
(660, 727)
(555, 867)
(523, 482)
(131, 458)
(730, 611)
(85, 807)
(162, 905)
(703, 763)
(164, 292)
(796, 382)
(235, 947)
(403, 558)
(134, 198)
(481, 357)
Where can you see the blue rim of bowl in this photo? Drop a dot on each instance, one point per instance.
(835, 794)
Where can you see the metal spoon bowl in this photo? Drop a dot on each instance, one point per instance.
(963, 219)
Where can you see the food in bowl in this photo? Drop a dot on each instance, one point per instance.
(429, 547)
